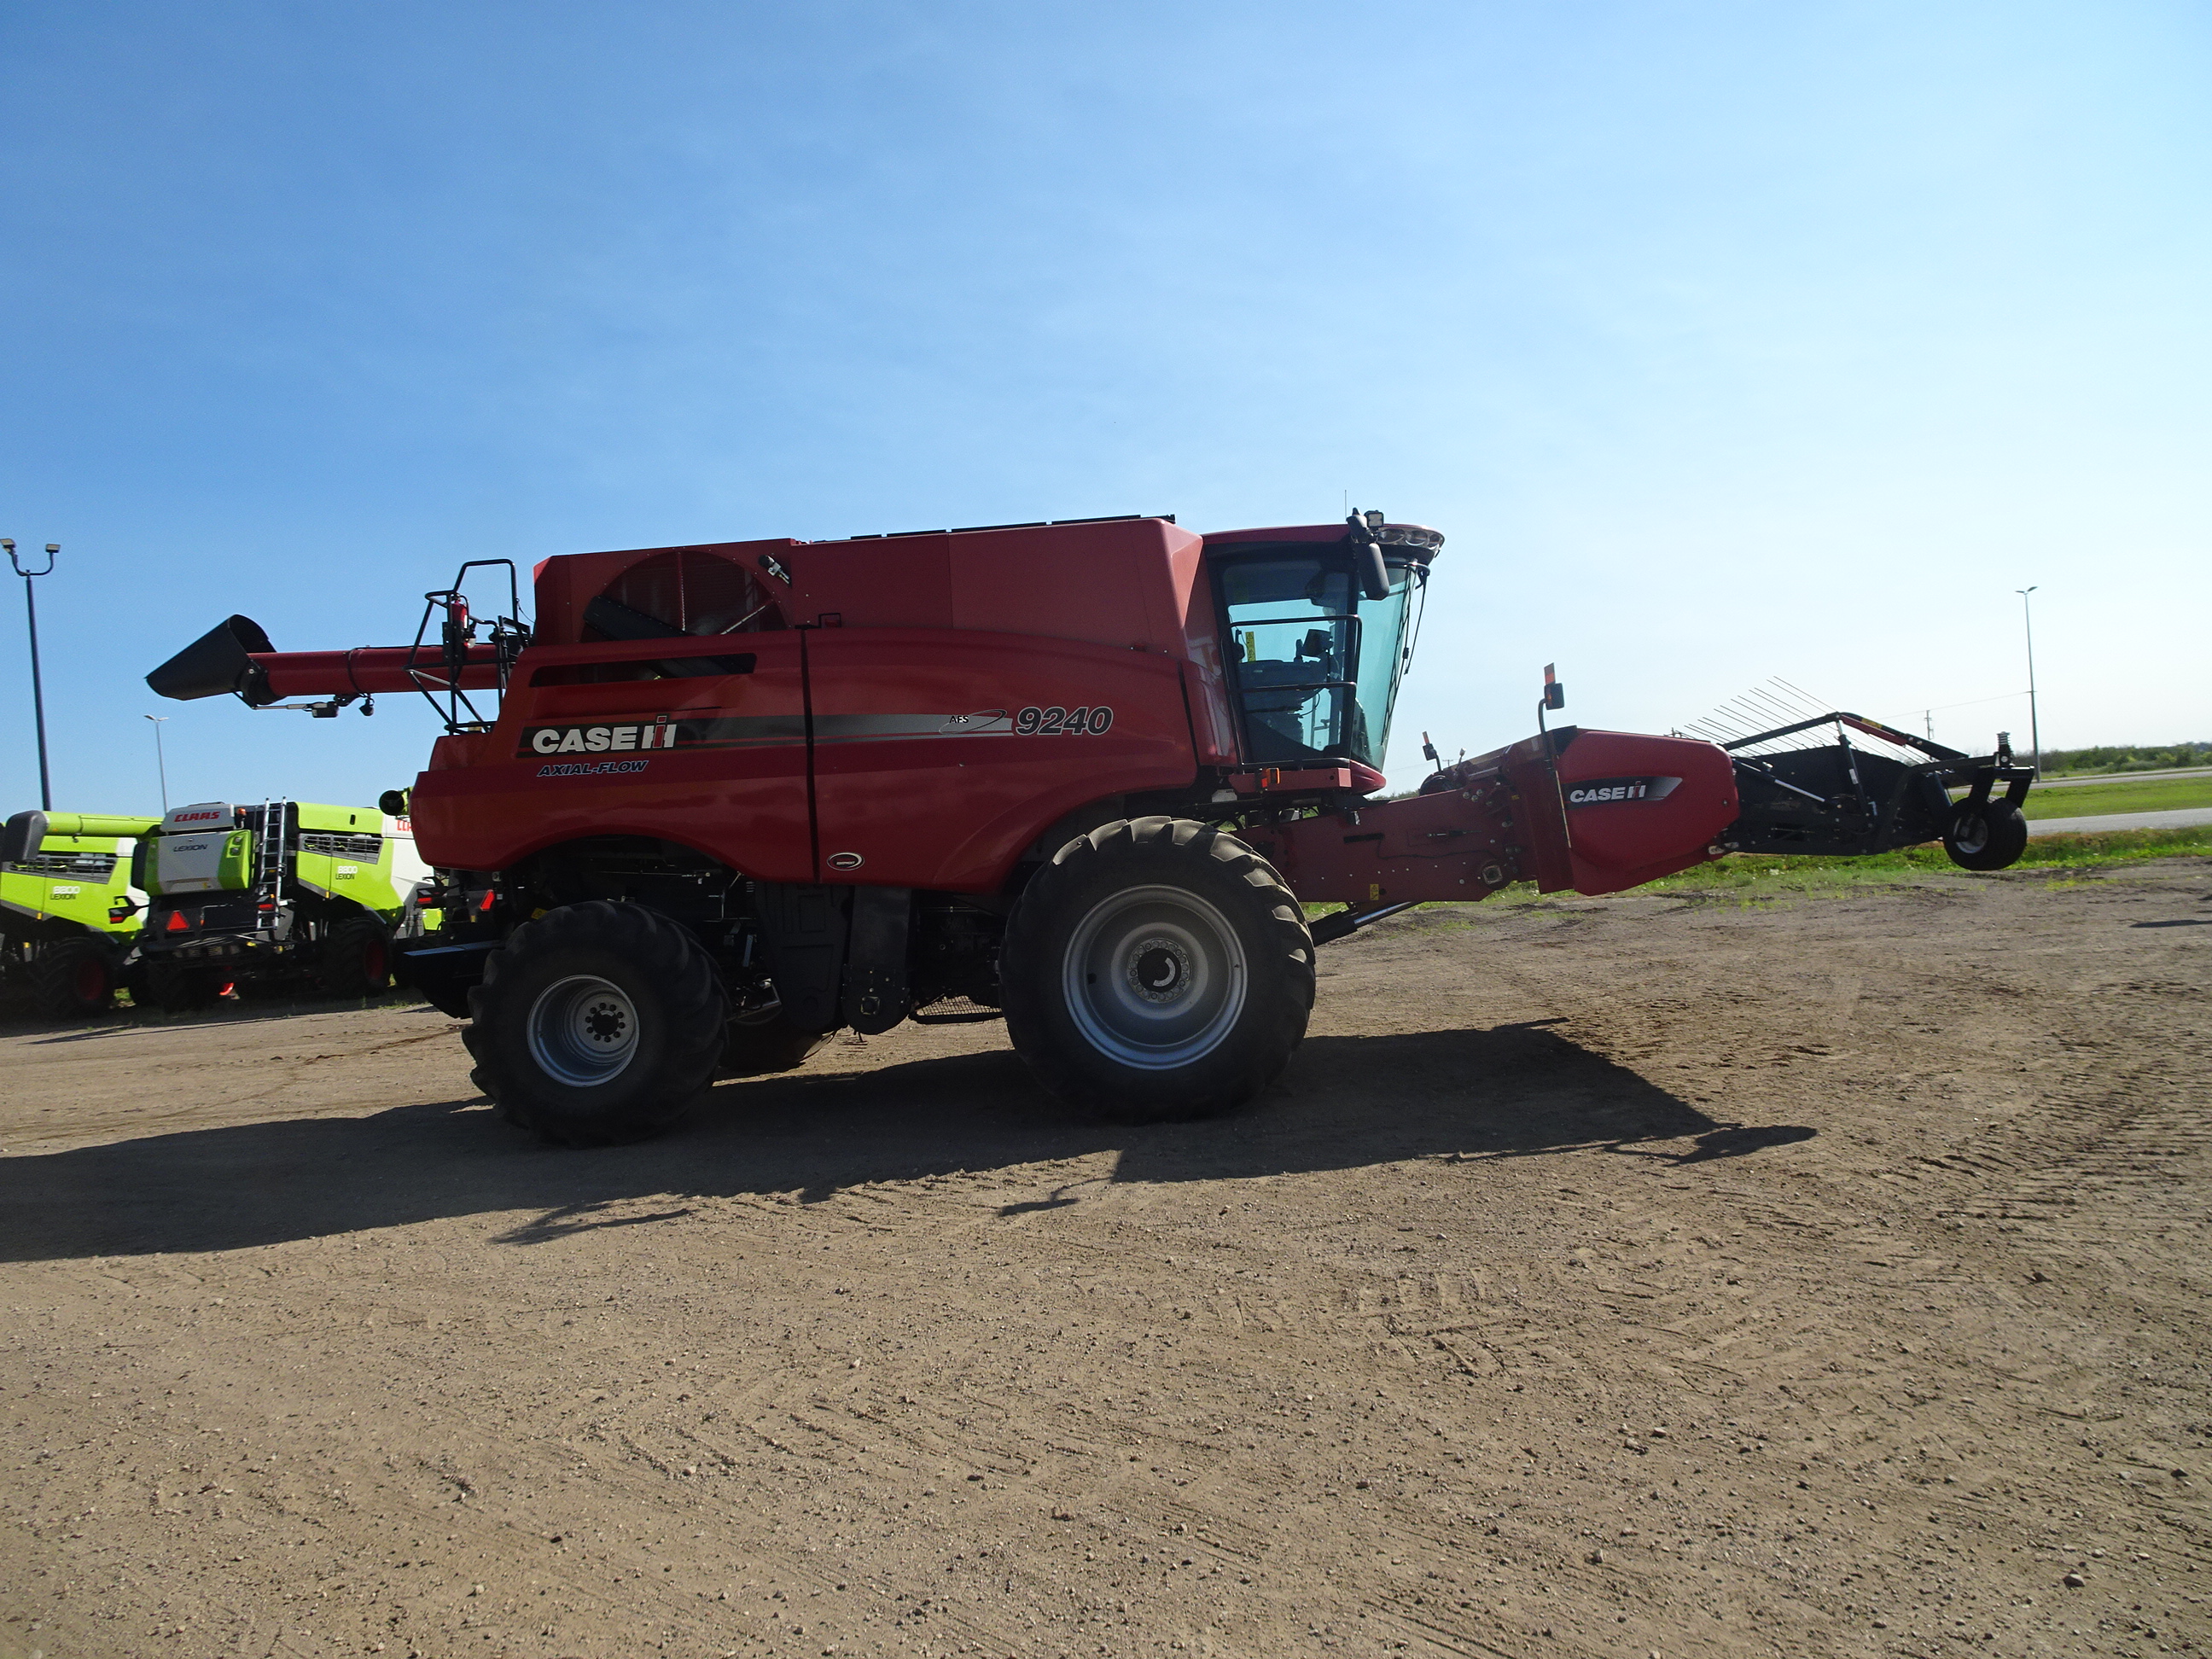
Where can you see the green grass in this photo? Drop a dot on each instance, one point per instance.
(2121, 795)
(1754, 876)
(2067, 852)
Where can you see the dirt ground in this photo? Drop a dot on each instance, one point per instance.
(1661, 1274)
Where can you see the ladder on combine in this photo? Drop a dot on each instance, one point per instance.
(268, 858)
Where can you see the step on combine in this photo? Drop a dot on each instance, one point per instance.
(713, 803)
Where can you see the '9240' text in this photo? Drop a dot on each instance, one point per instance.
(1058, 722)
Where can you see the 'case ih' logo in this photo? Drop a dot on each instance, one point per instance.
(600, 739)
(1598, 792)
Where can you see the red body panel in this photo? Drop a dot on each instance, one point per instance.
(921, 778)
(737, 789)
(899, 640)
(1630, 838)
(1616, 809)
(1450, 846)
(1129, 582)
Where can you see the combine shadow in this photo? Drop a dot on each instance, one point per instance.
(1346, 1102)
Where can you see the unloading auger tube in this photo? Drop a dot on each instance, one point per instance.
(714, 802)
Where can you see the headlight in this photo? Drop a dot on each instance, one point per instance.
(1410, 535)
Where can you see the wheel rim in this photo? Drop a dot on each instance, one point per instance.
(91, 980)
(583, 1031)
(1155, 977)
(372, 961)
(1971, 833)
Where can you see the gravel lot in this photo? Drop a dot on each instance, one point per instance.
(1674, 1274)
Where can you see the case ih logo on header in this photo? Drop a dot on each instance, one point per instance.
(1598, 792)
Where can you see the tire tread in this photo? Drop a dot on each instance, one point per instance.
(668, 956)
(53, 978)
(1283, 1000)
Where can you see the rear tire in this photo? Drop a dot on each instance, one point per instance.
(757, 1047)
(72, 978)
(1157, 970)
(1991, 838)
(356, 958)
(597, 1023)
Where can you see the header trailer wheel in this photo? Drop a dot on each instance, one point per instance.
(1989, 837)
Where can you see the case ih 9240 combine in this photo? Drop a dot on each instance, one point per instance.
(732, 798)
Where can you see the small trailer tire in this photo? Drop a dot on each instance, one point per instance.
(1156, 971)
(1990, 837)
(356, 958)
(73, 977)
(597, 1023)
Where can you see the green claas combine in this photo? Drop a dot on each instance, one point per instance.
(286, 898)
(69, 908)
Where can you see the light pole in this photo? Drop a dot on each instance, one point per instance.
(160, 762)
(37, 694)
(2034, 729)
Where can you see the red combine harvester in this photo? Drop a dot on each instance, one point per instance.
(717, 802)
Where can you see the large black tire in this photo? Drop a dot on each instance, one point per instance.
(1157, 970)
(72, 978)
(597, 1023)
(1991, 838)
(759, 1046)
(356, 958)
(179, 988)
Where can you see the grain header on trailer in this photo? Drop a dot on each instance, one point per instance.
(717, 801)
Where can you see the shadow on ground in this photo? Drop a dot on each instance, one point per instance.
(17, 1021)
(1346, 1102)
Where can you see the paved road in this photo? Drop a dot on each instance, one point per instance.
(2123, 777)
(2179, 818)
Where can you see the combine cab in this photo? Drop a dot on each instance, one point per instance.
(69, 908)
(718, 801)
(286, 898)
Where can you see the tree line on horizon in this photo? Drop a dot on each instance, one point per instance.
(2128, 758)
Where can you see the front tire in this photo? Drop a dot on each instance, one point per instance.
(72, 978)
(1157, 970)
(1991, 838)
(597, 1023)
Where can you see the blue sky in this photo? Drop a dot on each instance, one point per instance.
(1721, 340)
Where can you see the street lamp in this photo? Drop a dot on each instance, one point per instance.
(2034, 730)
(37, 694)
(160, 762)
